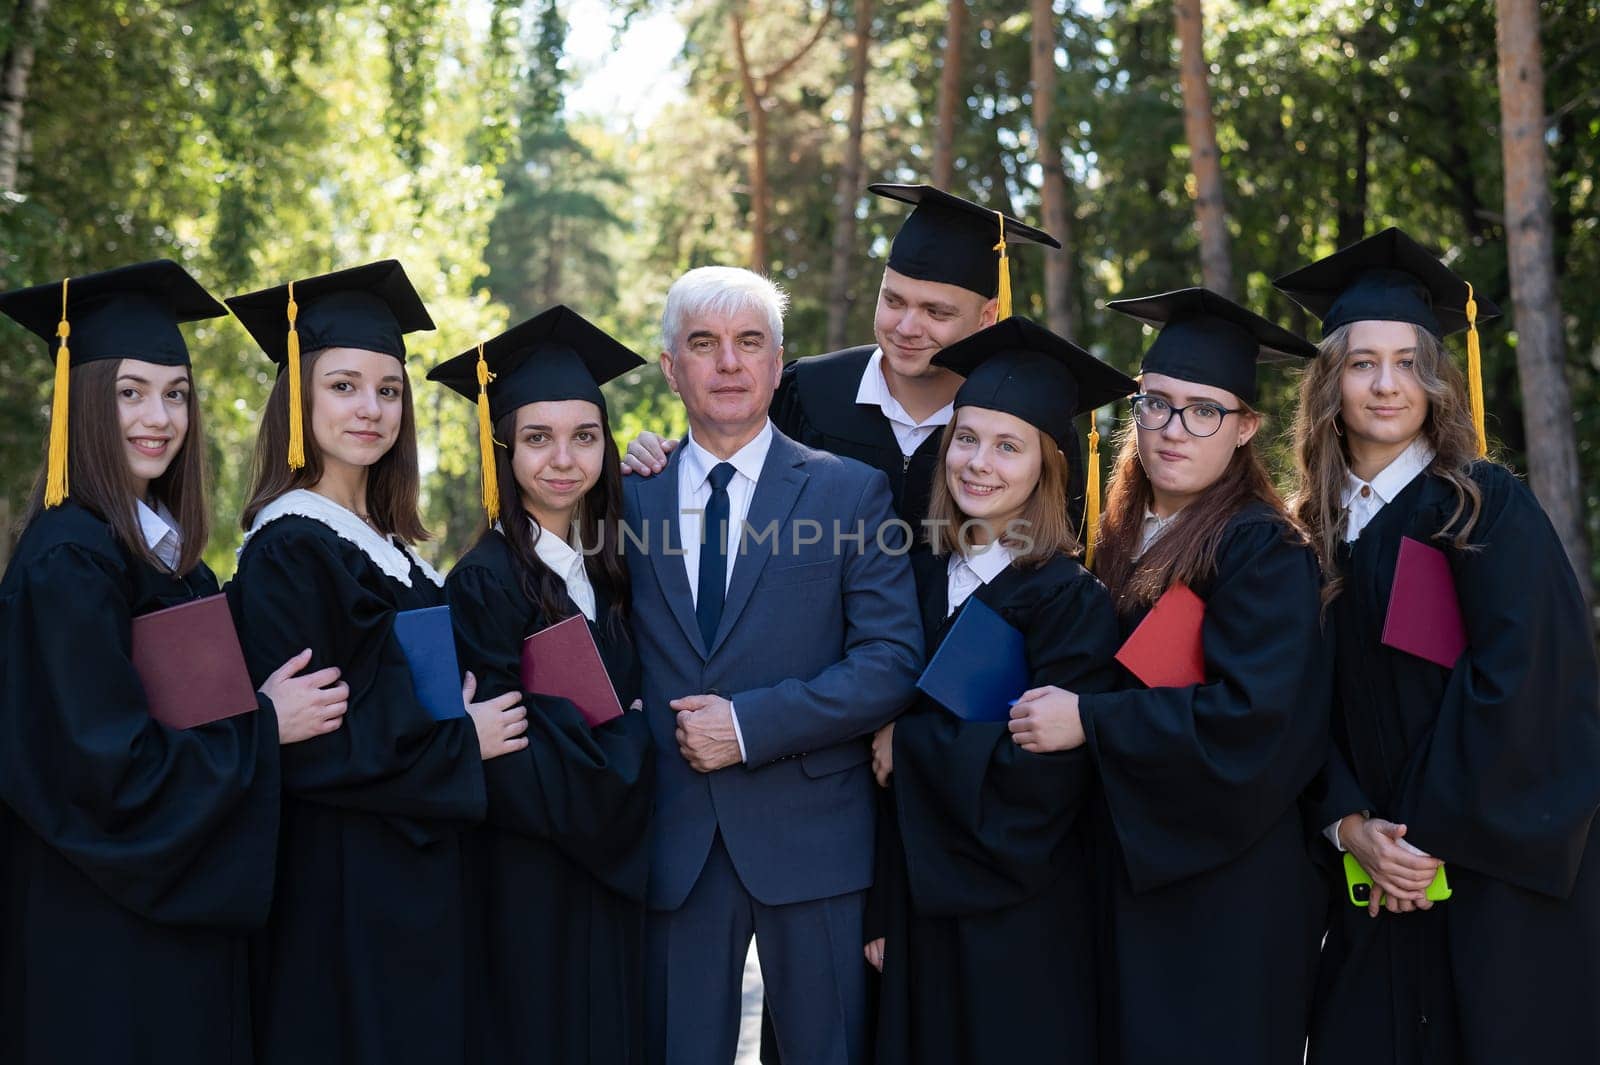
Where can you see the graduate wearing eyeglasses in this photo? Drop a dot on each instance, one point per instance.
(1213, 906)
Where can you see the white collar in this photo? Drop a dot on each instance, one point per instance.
(748, 460)
(987, 562)
(394, 560)
(157, 524)
(555, 552)
(874, 392)
(1393, 478)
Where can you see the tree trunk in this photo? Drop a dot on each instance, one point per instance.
(760, 189)
(1057, 219)
(1541, 343)
(1210, 208)
(944, 130)
(15, 66)
(1353, 206)
(841, 294)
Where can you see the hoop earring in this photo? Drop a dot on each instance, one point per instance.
(1337, 429)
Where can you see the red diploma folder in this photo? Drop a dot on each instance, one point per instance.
(189, 660)
(1164, 651)
(563, 661)
(1424, 617)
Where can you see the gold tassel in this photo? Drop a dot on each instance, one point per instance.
(491, 481)
(1475, 372)
(297, 428)
(1091, 495)
(1004, 295)
(55, 483)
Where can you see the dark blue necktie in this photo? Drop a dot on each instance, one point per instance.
(714, 554)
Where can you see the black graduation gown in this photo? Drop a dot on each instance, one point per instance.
(362, 959)
(136, 857)
(816, 405)
(1494, 766)
(1213, 905)
(556, 876)
(985, 894)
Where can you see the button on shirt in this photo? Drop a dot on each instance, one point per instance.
(694, 492)
(567, 563)
(1363, 499)
(908, 432)
(160, 531)
(967, 573)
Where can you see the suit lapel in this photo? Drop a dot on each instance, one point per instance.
(777, 489)
(658, 506)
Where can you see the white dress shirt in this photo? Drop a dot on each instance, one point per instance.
(1362, 501)
(567, 563)
(694, 492)
(965, 574)
(160, 531)
(908, 432)
(1153, 527)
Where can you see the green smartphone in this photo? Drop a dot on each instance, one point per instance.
(1361, 887)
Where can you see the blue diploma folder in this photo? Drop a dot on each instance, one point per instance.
(980, 668)
(429, 642)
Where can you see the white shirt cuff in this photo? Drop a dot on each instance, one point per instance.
(1332, 832)
(737, 734)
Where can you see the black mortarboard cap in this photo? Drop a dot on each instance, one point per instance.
(132, 312)
(1387, 277)
(1208, 339)
(555, 355)
(370, 307)
(1019, 367)
(954, 241)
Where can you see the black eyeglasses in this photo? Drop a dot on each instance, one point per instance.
(1198, 419)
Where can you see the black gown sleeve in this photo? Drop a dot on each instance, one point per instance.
(178, 826)
(1193, 776)
(588, 792)
(1507, 779)
(390, 756)
(982, 819)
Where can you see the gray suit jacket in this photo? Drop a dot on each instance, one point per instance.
(820, 643)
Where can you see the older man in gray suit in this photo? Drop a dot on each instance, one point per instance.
(777, 625)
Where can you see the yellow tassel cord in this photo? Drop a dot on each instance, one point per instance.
(297, 427)
(55, 484)
(1091, 495)
(1475, 372)
(491, 482)
(1004, 295)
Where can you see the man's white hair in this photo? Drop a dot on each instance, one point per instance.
(721, 291)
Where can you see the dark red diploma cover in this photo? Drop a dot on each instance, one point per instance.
(1424, 617)
(1165, 650)
(189, 660)
(563, 661)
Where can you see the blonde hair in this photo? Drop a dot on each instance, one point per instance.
(1322, 456)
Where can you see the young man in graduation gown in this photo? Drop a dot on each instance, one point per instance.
(1488, 763)
(885, 404)
(770, 654)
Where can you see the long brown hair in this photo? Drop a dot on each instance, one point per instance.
(1323, 458)
(599, 523)
(1187, 550)
(98, 473)
(1044, 529)
(392, 483)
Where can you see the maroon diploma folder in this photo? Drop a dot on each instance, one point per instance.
(190, 663)
(1424, 617)
(1165, 651)
(563, 661)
